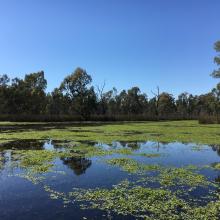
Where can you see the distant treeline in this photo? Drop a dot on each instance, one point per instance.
(76, 99)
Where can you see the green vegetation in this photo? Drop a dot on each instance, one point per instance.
(1, 161)
(126, 198)
(181, 131)
(131, 165)
(149, 155)
(182, 177)
(216, 73)
(216, 166)
(37, 161)
(167, 176)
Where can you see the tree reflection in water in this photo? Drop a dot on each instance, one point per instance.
(216, 148)
(217, 180)
(78, 165)
(23, 145)
(2, 160)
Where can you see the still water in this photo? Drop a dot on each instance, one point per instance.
(20, 198)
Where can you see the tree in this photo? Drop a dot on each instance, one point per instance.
(110, 103)
(207, 104)
(156, 101)
(36, 81)
(166, 104)
(122, 102)
(136, 101)
(216, 93)
(76, 88)
(35, 85)
(185, 104)
(102, 105)
(216, 73)
(57, 103)
(28, 96)
(4, 80)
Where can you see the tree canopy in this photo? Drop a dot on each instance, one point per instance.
(216, 73)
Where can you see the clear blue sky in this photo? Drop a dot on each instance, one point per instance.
(127, 43)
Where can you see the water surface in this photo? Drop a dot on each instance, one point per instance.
(21, 198)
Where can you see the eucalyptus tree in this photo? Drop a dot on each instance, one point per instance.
(207, 104)
(26, 96)
(111, 102)
(166, 104)
(76, 87)
(35, 85)
(186, 104)
(137, 102)
(216, 93)
(4, 80)
(216, 73)
(57, 103)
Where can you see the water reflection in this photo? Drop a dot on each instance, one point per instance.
(216, 148)
(135, 146)
(7, 155)
(32, 144)
(2, 159)
(217, 180)
(99, 175)
(29, 144)
(78, 165)
(122, 144)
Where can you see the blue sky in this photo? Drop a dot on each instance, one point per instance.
(127, 43)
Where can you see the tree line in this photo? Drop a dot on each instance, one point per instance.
(77, 99)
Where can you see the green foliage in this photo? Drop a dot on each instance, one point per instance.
(142, 202)
(168, 176)
(76, 98)
(131, 166)
(216, 73)
(182, 177)
(125, 164)
(126, 199)
(1, 161)
(39, 161)
(23, 96)
(216, 166)
(75, 87)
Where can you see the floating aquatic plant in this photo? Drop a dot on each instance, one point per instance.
(182, 177)
(126, 198)
(216, 166)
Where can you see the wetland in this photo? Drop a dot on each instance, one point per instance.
(145, 170)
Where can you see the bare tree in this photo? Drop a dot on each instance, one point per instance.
(157, 100)
(101, 96)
